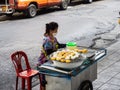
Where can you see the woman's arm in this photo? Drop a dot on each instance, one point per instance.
(61, 45)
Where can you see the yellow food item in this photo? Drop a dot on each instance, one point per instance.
(62, 57)
(68, 61)
(72, 54)
(80, 51)
(62, 60)
(62, 53)
(77, 50)
(58, 58)
(84, 51)
(52, 58)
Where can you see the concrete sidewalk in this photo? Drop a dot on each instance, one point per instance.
(109, 67)
(109, 70)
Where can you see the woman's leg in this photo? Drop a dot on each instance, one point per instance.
(44, 82)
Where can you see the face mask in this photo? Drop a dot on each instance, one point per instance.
(54, 34)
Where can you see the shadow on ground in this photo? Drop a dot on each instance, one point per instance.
(19, 16)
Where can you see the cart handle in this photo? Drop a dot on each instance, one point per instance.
(54, 69)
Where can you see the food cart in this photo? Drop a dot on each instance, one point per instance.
(59, 77)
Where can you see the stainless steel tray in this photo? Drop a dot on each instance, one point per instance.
(77, 62)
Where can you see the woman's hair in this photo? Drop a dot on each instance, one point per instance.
(50, 27)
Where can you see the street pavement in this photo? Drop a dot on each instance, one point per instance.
(108, 68)
(108, 71)
(108, 77)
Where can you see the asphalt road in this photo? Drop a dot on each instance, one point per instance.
(78, 22)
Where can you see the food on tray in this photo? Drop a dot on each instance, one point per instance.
(81, 51)
(68, 61)
(53, 58)
(66, 56)
(62, 60)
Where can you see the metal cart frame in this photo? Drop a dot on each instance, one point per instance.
(79, 78)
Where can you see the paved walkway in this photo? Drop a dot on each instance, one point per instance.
(109, 67)
(109, 70)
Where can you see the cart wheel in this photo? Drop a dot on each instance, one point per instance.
(86, 85)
